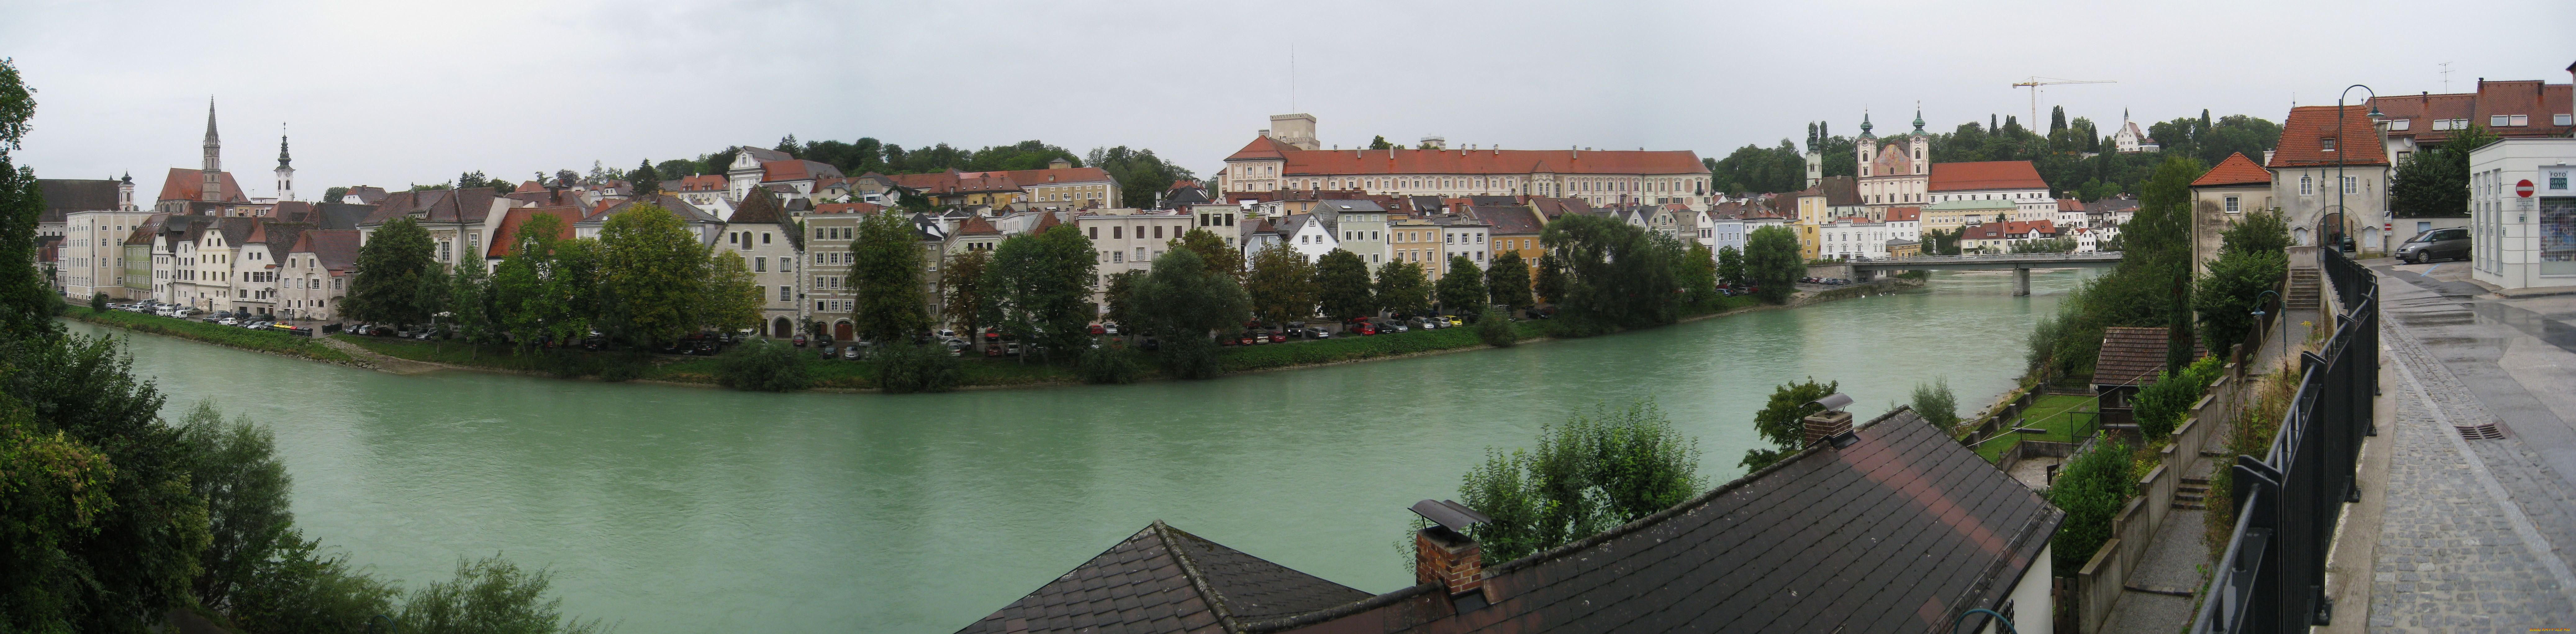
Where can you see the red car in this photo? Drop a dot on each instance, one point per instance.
(1278, 338)
(992, 351)
(1097, 330)
(1365, 328)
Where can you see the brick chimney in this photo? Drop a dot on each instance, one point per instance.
(1830, 425)
(1443, 553)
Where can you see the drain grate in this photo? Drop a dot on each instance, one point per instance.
(2487, 431)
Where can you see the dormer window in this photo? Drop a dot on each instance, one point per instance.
(2326, 144)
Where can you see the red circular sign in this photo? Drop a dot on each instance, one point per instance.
(2523, 188)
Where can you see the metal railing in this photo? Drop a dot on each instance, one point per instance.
(2272, 578)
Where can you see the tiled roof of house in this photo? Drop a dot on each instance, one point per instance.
(975, 225)
(760, 207)
(953, 182)
(467, 205)
(188, 184)
(1951, 177)
(1839, 191)
(705, 183)
(845, 208)
(367, 194)
(1903, 214)
(765, 155)
(2111, 204)
(65, 195)
(1034, 178)
(1512, 220)
(2130, 356)
(1262, 147)
(279, 236)
(1165, 580)
(2419, 111)
(2236, 170)
(1555, 207)
(2069, 204)
(686, 212)
(2304, 135)
(1046, 220)
(1399, 161)
(505, 239)
(142, 233)
(336, 248)
(796, 169)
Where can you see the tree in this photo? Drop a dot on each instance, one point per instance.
(1550, 285)
(488, 595)
(1771, 262)
(762, 365)
(1401, 287)
(1142, 177)
(1342, 286)
(1281, 284)
(885, 274)
(470, 309)
(1507, 282)
(1730, 265)
(233, 467)
(1617, 276)
(534, 287)
(1118, 297)
(653, 271)
(1461, 290)
(1380, 143)
(1591, 473)
(1185, 299)
(733, 298)
(1936, 403)
(472, 180)
(1039, 286)
(437, 289)
(1696, 274)
(98, 302)
(2434, 183)
(1495, 328)
(1780, 421)
(391, 265)
(962, 285)
(647, 181)
(2252, 258)
(1213, 250)
(2091, 489)
(333, 194)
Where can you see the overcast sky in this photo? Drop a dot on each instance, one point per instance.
(392, 93)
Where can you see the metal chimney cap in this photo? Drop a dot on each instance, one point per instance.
(1450, 514)
(1833, 402)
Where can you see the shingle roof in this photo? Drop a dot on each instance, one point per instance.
(336, 248)
(1262, 147)
(796, 169)
(1948, 177)
(467, 205)
(1901, 531)
(1512, 220)
(1901, 214)
(1840, 191)
(1165, 580)
(505, 238)
(65, 195)
(188, 184)
(2130, 356)
(2303, 138)
(2236, 170)
(1336, 162)
(760, 207)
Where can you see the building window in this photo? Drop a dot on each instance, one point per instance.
(2562, 119)
(2496, 121)
(2326, 144)
(2520, 120)
(2352, 184)
(2307, 185)
(783, 293)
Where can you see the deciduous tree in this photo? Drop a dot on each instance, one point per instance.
(654, 272)
(1342, 286)
(1771, 262)
(1462, 289)
(885, 274)
(1779, 421)
(387, 285)
(1402, 289)
(1507, 281)
(1595, 471)
(733, 299)
(1282, 285)
(1184, 300)
(1040, 288)
(2434, 183)
(961, 282)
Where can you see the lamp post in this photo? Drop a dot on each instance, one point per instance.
(2342, 148)
(2258, 316)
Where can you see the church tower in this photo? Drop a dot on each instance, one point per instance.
(1919, 144)
(213, 189)
(1865, 147)
(285, 173)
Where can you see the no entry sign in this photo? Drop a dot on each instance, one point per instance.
(2523, 188)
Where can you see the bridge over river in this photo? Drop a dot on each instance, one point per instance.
(2019, 263)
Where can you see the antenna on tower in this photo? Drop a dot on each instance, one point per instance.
(1292, 76)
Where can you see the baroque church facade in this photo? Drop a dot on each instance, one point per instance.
(1897, 172)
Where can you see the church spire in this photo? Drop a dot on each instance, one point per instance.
(212, 189)
(1864, 125)
(285, 174)
(1918, 117)
(282, 159)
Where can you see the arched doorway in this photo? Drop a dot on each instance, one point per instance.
(841, 330)
(781, 329)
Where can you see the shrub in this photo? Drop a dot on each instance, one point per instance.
(489, 595)
(904, 369)
(2091, 489)
(1936, 403)
(1109, 364)
(1589, 474)
(1191, 357)
(98, 303)
(1495, 328)
(762, 365)
(2160, 406)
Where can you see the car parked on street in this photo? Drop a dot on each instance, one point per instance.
(2436, 244)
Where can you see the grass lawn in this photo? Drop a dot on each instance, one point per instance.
(2060, 414)
(218, 334)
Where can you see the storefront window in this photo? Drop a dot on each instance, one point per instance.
(2558, 236)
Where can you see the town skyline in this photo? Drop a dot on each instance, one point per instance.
(576, 90)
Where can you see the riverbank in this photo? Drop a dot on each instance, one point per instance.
(268, 341)
(403, 356)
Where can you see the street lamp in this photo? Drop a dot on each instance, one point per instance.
(2258, 317)
(2341, 149)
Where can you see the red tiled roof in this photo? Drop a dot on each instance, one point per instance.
(1034, 178)
(1901, 214)
(847, 208)
(705, 183)
(1354, 162)
(799, 169)
(2236, 170)
(2070, 204)
(505, 239)
(2419, 111)
(953, 181)
(976, 226)
(1046, 220)
(2302, 138)
(1262, 147)
(188, 184)
(1951, 177)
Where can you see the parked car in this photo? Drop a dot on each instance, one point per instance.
(1098, 329)
(2435, 244)
(827, 352)
(850, 353)
(956, 347)
(992, 351)
(799, 341)
(1110, 326)
(1318, 333)
(1011, 349)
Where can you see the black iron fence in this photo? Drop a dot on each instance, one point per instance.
(2272, 579)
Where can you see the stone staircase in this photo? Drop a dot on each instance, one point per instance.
(2305, 288)
(2191, 494)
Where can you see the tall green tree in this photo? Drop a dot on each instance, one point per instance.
(1550, 285)
(2434, 183)
(470, 307)
(961, 284)
(1212, 250)
(1593, 472)
(1771, 262)
(1401, 287)
(1779, 421)
(1462, 290)
(886, 275)
(1118, 298)
(654, 272)
(1507, 282)
(1617, 276)
(1187, 299)
(2252, 258)
(233, 467)
(1142, 177)
(1040, 288)
(1730, 265)
(391, 265)
(733, 298)
(1696, 273)
(1282, 285)
(1342, 286)
(645, 178)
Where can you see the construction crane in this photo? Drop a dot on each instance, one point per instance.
(2036, 81)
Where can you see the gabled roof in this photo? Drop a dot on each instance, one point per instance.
(340, 215)
(469, 205)
(1840, 191)
(2107, 205)
(686, 212)
(1262, 147)
(1509, 220)
(760, 207)
(2131, 356)
(367, 194)
(975, 225)
(142, 233)
(1903, 214)
(1950, 177)
(764, 155)
(66, 195)
(796, 169)
(337, 249)
(1555, 207)
(705, 183)
(1400, 161)
(1058, 176)
(1046, 220)
(2236, 170)
(277, 236)
(1165, 580)
(188, 184)
(2303, 138)
(845, 208)
(505, 239)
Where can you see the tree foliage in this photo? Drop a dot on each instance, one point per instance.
(1730, 265)
(734, 300)
(763, 365)
(1617, 275)
(1771, 262)
(391, 265)
(654, 271)
(1342, 286)
(1494, 327)
(489, 595)
(2434, 182)
(2091, 489)
(1281, 284)
(1550, 283)
(886, 276)
(1184, 299)
(1936, 403)
(1593, 472)
(1507, 282)
(2252, 258)
(1462, 290)
(1780, 424)
(1402, 289)
(962, 288)
(1039, 285)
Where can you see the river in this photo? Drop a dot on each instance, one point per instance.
(679, 509)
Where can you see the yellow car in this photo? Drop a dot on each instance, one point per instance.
(1454, 321)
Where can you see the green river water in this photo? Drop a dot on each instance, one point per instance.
(678, 509)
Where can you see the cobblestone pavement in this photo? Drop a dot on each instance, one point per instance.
(2475, 530)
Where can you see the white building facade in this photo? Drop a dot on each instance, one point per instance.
(2519, 241)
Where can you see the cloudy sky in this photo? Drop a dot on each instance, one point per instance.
(392, 93)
